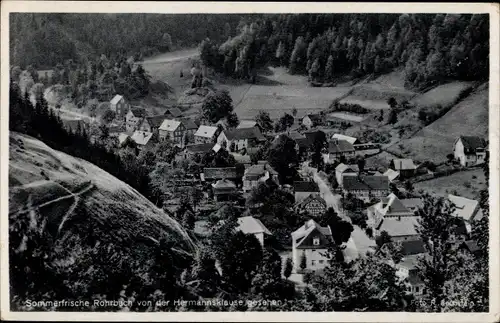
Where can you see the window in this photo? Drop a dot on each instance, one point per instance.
(316, 241)
(321, 261)
(313, 250)
(313, 262)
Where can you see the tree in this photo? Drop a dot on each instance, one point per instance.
(314, 70)
(437, 226)
(392, 102)
(283, 157)
(196, 196)
(288, 267)
(205, 280)
(264, 121)
(240, 260)
(329, 69)
(383, 238)
(341, 229)
(393, 116)
(280, 53)
(285, 122)
(232, 120)
(319, 143)
(268, 283)
(217, 105)
(409, 186)
(303, 261)
(298, 56)
(108, 116)
(166, 42)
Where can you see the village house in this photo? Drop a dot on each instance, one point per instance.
(312, 120)
(345, 170)
(151, 124)
(466, 209)
(406, 268)
(366, 187)
(256, 174)
(134, 118)
(122, 138)
(196, 149)
(470, 150)
(388, 207)
(413, 204)
(172, 130)
(366, 149)
(469, 247)
(338, 149)
(206, 134)
(173, 113)
(405, 167)
(119, 105)
(143, 139)
(314, 205)
(311, 241)
(352, 140)
(391, 174)
(212, 174)
(303, 189)
(247, 124)
(251, 225)
(224, 190)
(238, 139)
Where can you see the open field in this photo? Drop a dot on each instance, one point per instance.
(443, 95)
(346, 116)
(366, 103)
(466, 184)
(434, 142)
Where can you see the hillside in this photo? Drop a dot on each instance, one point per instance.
(435, 141)
(94, 232)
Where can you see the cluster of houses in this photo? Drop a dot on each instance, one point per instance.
(397, 217)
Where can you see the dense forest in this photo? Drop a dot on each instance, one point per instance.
(44, 40)
(430, 48)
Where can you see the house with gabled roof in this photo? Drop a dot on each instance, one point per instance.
(366, 187)
(259, 173)
(391, 174)
(311, 241)
(211, 174)
(466, 209)
(206, 134)
(172, 113)
(470, 150)
(388, 207)
(173, 130)
(251, 225)
(404, 166)
(224, 190)
(245, 124)
(313, 205)
(345, 170)
(134, 118)
(152, 123)
(143, 139)
(349, 139)
(312, 120)
(119, 105)
(302, 189)
(337, 149)
(238, 139)
(196, 149)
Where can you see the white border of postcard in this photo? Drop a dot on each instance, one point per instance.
(257, 7)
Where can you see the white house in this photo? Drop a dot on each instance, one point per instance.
(119, 105)
(311, 241)
(206, 134)
(256, 174)
(345, 170)
(338, 148)
(311, 120)
(152, 124)
(251, 225)
(172, 130)
(349, 139)
(303, 189)
(466, 209)
(470, 150)
(388, 207)
(134, 118)
(238, 139)
(143, 139)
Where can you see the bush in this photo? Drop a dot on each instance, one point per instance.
(359, 218)
(348, 107)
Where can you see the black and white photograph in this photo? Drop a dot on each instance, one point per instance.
(250, 161)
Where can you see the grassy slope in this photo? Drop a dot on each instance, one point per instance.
(108, 208)
(435, 141)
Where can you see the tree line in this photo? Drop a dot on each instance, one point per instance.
(431, 48)
(45, 39)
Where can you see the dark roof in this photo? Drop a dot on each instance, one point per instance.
(414, 247)
(200, 148)
(315, 118)
(339, 146)
(310, 198)
(366, 183)
(305, 186)
(473, 142)
(188, 124)
(220, 173)
(470, 245)
(414, 278)
(138, 112)
(244, 133)
(174, 112)
(155, 121)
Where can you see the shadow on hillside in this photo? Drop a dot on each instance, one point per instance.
(262, 80)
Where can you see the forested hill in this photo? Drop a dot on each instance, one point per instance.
(44, 40)
(432, 48)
